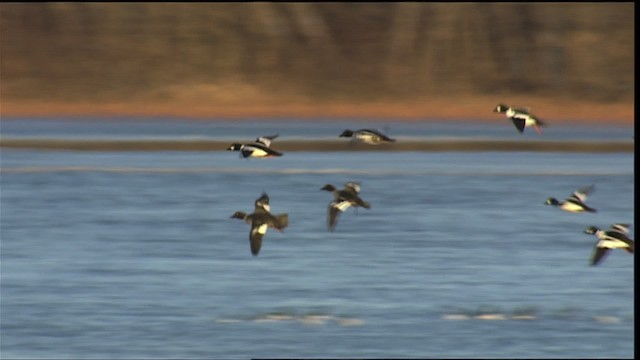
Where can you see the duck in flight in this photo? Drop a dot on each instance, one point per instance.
(261, 220)
(521, 117)
(614, 238)
(261, 148)
(342, 200)
(367, 136)
(575, 202)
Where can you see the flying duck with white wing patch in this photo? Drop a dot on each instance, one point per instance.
(521, 117)
(261, 148)
(614, 238)
(261, 220)
(367, 136)
(575, 202)
(342, 200)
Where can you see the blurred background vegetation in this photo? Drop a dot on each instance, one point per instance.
(109, 52)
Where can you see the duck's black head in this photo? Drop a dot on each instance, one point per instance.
(552, 201)
(591, 230)
(328, 187)
(501, 108)
(239, 215)
(346, 133)
(234, 147)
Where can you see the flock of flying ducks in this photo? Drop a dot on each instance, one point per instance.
(616, 237)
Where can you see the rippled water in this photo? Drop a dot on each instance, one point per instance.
(133, 255)
(248, 130)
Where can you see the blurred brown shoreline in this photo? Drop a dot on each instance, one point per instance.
(461, 108)
(409, 61)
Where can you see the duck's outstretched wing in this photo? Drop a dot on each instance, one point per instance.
(353, 199)
(621, 228)
(364, 204)
(379, 134)
(255, 236)
(518, 122)
(334, 210)
(262, 204)
(246, 152)
(332, 216)
(582, 194)
(619, 232)
(598, 254)
(279, 222)
(352, 186)
(266, 140)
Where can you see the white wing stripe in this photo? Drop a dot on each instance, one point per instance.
(342, 206)
(262, 229)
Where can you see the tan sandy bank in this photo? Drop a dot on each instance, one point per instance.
(480, 108)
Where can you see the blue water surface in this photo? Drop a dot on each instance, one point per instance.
(133, 255)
